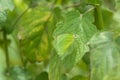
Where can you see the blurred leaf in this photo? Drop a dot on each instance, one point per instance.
(32, 3)
(19, 73)
(78, 77)
(118, 40)
(42, 76)
(86, 58)
(7, 25)
(55, 68)
(5, 5)
(117, 2)
(36, 68)
(34, 34)
(64, 77)
(110, 4)
(104, 57)
(2, 17)
(3, 62)
(107, 17)
(13, 50)
(81, 69)
(57, 14)
(95, 2)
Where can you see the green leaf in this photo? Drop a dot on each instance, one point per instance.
(71, 37)
(34, 33)
(81, 69)
(79, 77)
(2, 16)
(13, 50)
(64, 77)
(3, 62)
(69, 25)
(55, 68)
(95, 1)
(42, 76)
(57, 14)
(118, 40)
(107, 17)
(73, 33)
(70, 59)
(86, 27)
(104, 57)
(63, 42)
(117, 2)
(7, 25)
(74, 53)
(6, 5)
(19, 73)
(110, 4)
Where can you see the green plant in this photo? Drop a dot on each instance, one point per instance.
(59, 40)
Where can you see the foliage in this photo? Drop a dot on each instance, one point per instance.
(60, 39)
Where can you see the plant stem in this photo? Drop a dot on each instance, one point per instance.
(90, 67)
(98, 17)
(6, 52)
(21, 55)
